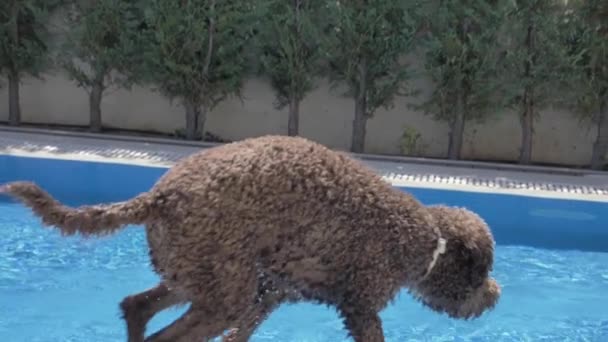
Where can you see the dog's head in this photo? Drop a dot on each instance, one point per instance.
(459, 283)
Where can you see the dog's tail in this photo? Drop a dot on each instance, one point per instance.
(86, 220)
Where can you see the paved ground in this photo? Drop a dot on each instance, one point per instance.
(542, 182)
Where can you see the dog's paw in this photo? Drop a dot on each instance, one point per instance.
(230, 335)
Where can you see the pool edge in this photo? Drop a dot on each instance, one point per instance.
(557, 183)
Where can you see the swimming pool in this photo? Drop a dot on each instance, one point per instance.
(551, 261)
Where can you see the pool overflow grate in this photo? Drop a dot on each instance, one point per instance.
(497, 183)
(167, 154)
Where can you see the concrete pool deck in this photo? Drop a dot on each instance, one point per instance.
(545, 182)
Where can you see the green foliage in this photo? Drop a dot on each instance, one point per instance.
(411, 142)
(533, 63)
(479, 53)
(291, 44)
(586, 36)
(99, 43)
(194, 50)
(587, 39)
(462, 57)
(23, 36)
(534, 57)
(370, 40)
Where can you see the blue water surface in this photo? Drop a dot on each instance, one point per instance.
(551, 261)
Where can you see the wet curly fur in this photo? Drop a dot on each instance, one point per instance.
(238, 229)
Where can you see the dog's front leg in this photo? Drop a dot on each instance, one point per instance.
(252, 318)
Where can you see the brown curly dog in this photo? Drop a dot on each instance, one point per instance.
(236, 229)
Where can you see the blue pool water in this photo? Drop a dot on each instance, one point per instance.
(551, 261)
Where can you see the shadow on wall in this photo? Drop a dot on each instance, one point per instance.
(326, 117)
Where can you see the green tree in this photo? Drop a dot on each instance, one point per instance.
(290, 40)
(195, 52)
(587, 39)
(533, 63)
(99, 51)
(23, 51)
(461, 59)
(371, 39)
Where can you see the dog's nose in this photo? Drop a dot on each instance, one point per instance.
(482, 299)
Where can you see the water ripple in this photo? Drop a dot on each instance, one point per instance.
(54, 288)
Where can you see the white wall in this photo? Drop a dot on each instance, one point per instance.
(325, 117)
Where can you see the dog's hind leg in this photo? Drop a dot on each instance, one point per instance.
(138, 309)
(221, 289)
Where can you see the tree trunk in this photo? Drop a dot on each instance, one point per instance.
(95, 97)
(202, 120)
(14, 105)
(527, 114)
(210, 40)
(457, 127)
(360, 121)
(196, 116)
(192, 117)
(293, 123)
(600, 147)
(458, 121)
(527, 128)
(359, 128)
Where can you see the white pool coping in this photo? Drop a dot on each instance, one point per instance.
(555, 183)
